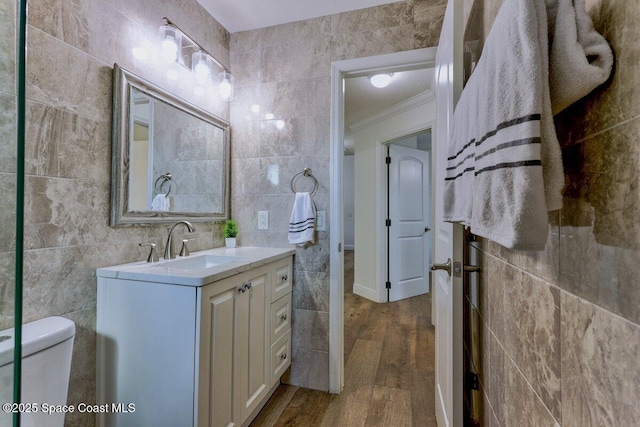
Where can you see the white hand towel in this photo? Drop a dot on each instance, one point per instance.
(504, 170)
(160, 203)
(303, 218)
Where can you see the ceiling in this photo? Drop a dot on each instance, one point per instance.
(241, 15)
(362, 100)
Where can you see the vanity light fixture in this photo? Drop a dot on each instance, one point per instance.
(177, 47)
(380, 80)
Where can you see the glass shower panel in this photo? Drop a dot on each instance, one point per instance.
(8, 185)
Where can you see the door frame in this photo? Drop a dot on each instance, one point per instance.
(413, 59)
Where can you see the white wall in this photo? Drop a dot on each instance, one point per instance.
(348, 194)
(370, 191)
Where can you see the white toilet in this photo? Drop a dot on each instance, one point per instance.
(47, 345)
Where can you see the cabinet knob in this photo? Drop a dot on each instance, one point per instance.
(244, 288)
(283, 356)
(283, 317)
(284, 277)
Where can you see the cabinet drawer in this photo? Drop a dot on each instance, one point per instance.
(282, 279)
(280, 317)
(280, 357)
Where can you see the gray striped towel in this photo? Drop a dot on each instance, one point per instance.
(303, 218)
(504, 168)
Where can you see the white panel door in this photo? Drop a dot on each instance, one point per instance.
(409, 213)
(447, 289)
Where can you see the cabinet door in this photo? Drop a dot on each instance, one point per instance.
(215, 401)
(252, 372)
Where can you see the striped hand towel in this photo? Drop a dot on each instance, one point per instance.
(303, 218)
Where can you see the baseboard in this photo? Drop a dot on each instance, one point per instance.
(349, 247)
(368, 293)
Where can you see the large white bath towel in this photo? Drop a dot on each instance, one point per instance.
(303, 219)
(504, 170)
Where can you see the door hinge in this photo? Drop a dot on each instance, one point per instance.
(388, 284)
(473, 381)
(388, 160)
(388, 223)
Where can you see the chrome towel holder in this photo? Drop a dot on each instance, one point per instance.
(166, 178)
(306, 172)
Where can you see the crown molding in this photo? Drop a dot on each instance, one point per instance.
(402, 107)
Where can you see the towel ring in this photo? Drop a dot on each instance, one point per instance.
(306, 172)
(166, 179)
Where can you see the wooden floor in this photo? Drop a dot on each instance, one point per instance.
(389, 372)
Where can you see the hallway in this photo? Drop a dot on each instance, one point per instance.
(389, 372)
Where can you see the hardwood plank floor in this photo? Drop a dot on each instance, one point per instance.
(389, 371)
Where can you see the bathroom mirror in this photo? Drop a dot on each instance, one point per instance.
(170, 159)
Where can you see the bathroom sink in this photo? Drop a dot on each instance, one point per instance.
(198, 262)
(199, 268)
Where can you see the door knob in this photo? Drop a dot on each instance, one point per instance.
(446, 266)
(426, 229)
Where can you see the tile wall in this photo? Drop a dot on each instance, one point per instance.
(72, 46)
(285, 71)
(561, 328)
(7, 161)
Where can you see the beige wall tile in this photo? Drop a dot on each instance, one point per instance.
(7, 53)
(8, 133)
(600, 371)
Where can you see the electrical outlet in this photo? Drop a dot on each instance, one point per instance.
(263, 220)
(321, 221)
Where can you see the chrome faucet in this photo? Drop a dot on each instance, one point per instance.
(168, 248)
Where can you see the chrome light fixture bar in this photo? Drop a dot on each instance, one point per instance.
(178, 47)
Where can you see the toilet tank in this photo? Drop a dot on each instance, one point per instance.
(47, 345)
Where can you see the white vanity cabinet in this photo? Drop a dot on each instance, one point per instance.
(194, 355)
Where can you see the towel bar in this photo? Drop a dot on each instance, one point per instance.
(306, 172)
(166, 178)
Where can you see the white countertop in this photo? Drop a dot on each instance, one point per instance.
(162, 272)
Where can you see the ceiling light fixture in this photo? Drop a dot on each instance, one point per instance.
(380, 80)
(177, 47)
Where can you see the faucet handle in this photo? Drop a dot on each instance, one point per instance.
(185, 250)
(153, 256)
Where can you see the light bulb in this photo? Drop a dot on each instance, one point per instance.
(280, 124)
(201, 67)
(255, 108)
(202, 73)
(380, 80)
(171, 43)
(225, 85)
(169, 49)
(225, 89)
(269, 116)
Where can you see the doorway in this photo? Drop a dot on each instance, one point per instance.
(408, 216)
(410, 60)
